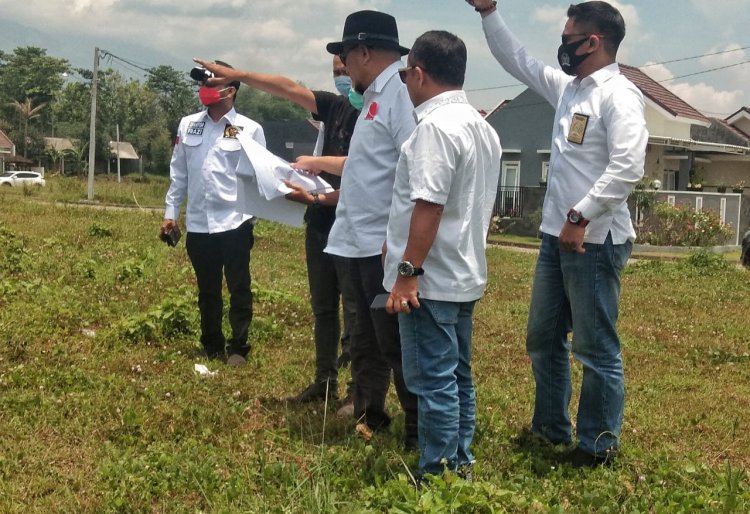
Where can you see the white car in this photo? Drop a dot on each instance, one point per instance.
(19, 178)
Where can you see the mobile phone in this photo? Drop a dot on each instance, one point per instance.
(379, 301)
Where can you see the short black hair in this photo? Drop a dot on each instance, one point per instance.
(603, 18)
(442, 56)
(235, 83)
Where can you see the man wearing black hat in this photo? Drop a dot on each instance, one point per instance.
(219, 239)
(372, 54)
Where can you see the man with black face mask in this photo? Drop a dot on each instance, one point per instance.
(598, 150)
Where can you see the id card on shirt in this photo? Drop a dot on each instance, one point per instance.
(578, 128)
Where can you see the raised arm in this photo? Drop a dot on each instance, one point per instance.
(276, 85)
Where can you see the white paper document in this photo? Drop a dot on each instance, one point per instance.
(260, 186)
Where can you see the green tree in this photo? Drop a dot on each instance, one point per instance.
(27, 111)
(176, 94)
(261, 106)
(29, 73)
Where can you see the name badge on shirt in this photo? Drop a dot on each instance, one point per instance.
(195, 128)
(230, 131)
(578, 128)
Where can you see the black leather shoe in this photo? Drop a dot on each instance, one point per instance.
(316, 392)
(578, 458)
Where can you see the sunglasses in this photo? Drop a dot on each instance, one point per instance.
(402, 72)
(345, 53)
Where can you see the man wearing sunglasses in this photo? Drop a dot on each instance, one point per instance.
(446, 183)
(372, 54)
(597, 156)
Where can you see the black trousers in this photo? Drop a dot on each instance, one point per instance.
(211, 255)
(376, 350)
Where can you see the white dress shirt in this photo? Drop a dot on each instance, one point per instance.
(594, 167)
(385, 123)
(451, 159)
(204, 165)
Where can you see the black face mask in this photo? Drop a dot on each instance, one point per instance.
(566, 56)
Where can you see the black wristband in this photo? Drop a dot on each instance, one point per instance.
(488, 8)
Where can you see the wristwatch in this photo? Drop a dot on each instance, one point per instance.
(407, 269)
(576, 218)
(316, 199)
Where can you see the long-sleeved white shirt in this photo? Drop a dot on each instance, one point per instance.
(595, 166)
(204, 166)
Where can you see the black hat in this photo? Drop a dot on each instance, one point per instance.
(371, 28)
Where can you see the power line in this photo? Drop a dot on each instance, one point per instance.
(695, 57)
(705, 71)
(652, 64)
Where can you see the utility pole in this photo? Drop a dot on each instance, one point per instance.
(117, 127)
(92, 126)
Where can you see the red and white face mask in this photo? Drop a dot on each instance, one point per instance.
(209, 96)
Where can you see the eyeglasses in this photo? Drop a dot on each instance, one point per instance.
(402, 72)
(565, 37)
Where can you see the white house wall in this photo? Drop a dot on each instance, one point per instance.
(660, 125)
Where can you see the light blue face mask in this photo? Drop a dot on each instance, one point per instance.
(356, 99)
(343, 84)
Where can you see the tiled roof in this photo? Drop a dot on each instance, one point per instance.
(5, 141)
(660, 95)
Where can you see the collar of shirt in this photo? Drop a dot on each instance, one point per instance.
(600, 76)
(448, 97)
(385, 76)
(230, 116)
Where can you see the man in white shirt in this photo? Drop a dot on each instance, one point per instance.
(372, 55)
(598, 150)
(435, 267)
(219, 239)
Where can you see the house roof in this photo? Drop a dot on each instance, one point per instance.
(662, 96)
(60, 144)
(720, 132)
(743, 112)
(126, 150)
(5, 142)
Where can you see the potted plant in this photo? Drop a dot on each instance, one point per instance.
(739, 187)
(721, 188)
(696, 179)
(697, 186)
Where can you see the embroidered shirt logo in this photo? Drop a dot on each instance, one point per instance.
(372, 111)
(231, 131)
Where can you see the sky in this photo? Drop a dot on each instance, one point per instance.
(288, 37)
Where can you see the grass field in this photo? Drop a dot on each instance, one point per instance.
(101, 410)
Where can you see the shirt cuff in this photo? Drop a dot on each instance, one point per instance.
(171, 213)
(590, 209)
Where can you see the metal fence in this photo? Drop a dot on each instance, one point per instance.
(509, 202)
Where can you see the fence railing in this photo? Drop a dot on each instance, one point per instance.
(509, 202)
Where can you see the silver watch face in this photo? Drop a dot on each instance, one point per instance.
(574, 217)
(405, 269)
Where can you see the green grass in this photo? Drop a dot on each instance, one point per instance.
(101, 411)
(134, 190)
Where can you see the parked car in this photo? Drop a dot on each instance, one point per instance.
(19, 178)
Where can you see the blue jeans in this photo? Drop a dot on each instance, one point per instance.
(578, 292)
(436, 354)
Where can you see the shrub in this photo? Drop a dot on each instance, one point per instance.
(669, 225)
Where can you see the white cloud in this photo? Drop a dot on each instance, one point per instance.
(704, 97)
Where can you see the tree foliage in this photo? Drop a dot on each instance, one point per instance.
(41, 95)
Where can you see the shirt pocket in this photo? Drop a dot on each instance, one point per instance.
(229, 148)
(230, 145)
(192, 140)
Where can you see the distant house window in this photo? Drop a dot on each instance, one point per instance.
(511, 174)
(545, 171)
(509, 197)
(669, 180)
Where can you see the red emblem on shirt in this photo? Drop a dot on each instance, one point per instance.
(177, 140)
(372, 111)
